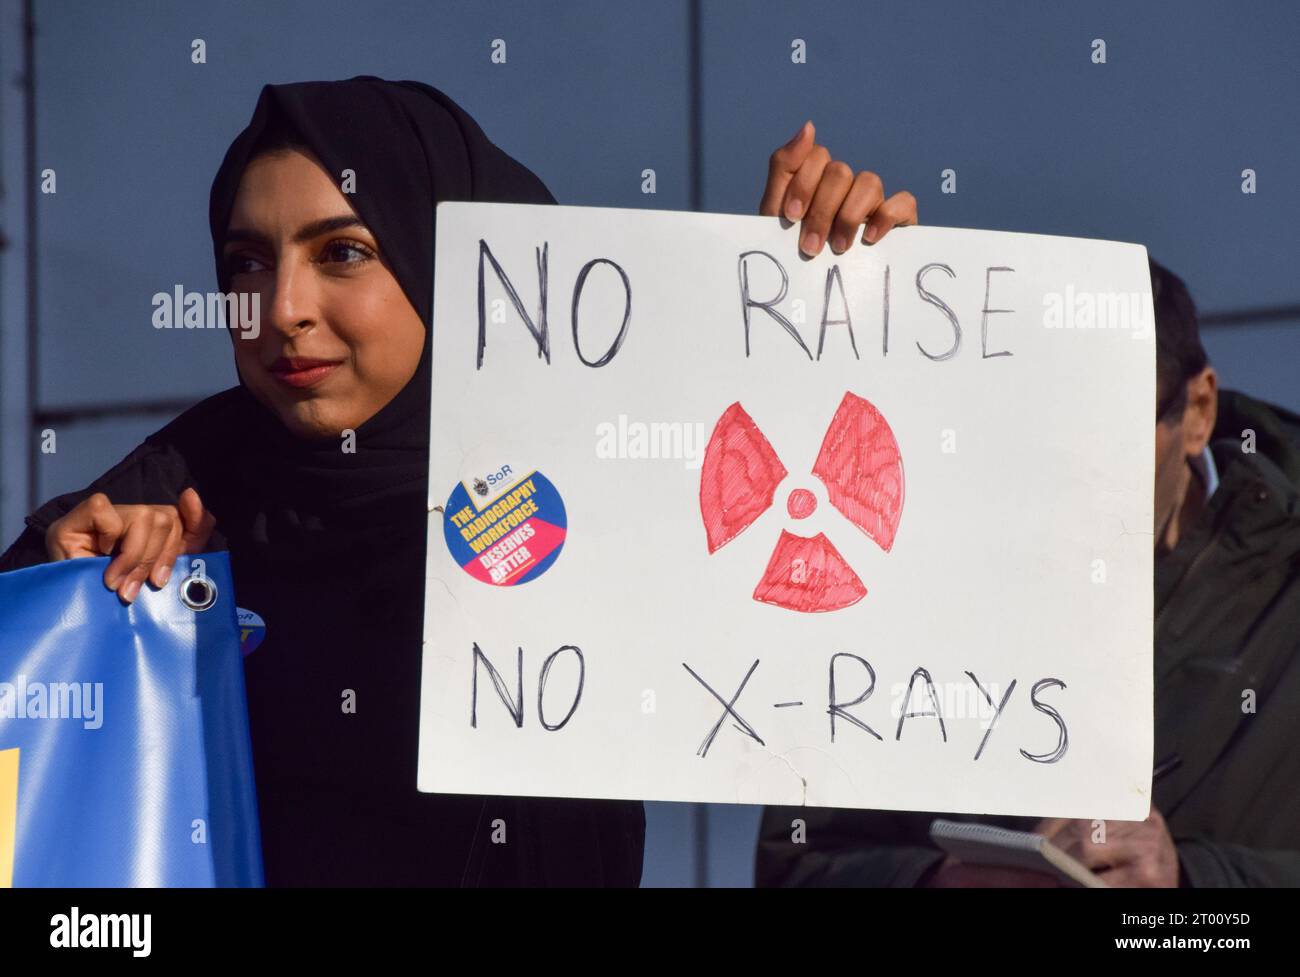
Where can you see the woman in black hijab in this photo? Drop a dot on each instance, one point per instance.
(328, 544)
(313, 474)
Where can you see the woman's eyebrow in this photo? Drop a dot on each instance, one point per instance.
(305, 233)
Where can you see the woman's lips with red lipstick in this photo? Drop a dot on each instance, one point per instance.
(302, 371)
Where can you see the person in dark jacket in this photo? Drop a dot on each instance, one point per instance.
(1226, 795)
(313, 474)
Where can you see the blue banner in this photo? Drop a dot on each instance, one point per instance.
(125, 757)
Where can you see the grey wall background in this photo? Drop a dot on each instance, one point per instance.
(1148, 147)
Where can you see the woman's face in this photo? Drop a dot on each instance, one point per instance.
(327, 297)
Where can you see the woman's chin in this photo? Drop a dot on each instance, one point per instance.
(307, 424)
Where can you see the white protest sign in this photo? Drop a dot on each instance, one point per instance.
(710, 521)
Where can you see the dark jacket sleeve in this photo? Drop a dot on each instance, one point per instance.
(27, 550)
(840, 848)
(1210, 864)
(154, 473)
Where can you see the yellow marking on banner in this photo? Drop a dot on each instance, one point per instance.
(8, 814)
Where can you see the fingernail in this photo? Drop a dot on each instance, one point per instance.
(793, 209)
(132, 590)
(112, 582)
(871, 233)
(838, 245)
(811, 242)
(799, 133)
(164, 577)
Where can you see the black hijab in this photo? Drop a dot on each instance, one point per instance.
(410, 147)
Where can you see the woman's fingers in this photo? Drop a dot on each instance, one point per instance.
(90, 529)
(145, 537)
(172, 547)
(781, 168)
(197, 522)
(189, 534)
(804, 183)
(864, 196)
(131, 548)
(161, 525)
(898, 211)
(799, 194)
(829, 195)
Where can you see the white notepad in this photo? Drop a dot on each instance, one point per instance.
(986, 844)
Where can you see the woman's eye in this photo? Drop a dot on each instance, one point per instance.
(243, 264)
(346, 252)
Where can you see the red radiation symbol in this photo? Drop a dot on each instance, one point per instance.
(860, 465)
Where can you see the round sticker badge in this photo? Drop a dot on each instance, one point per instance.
(252, 630)
(505, 529)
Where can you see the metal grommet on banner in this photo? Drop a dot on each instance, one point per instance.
(198, 592)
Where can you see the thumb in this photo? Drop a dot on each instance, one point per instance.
(787, 160)
(197, 522)
(807, 129)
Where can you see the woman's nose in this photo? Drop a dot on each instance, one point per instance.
(293, 304)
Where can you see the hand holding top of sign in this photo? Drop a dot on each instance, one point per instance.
(803, 181)
(1139, 854)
